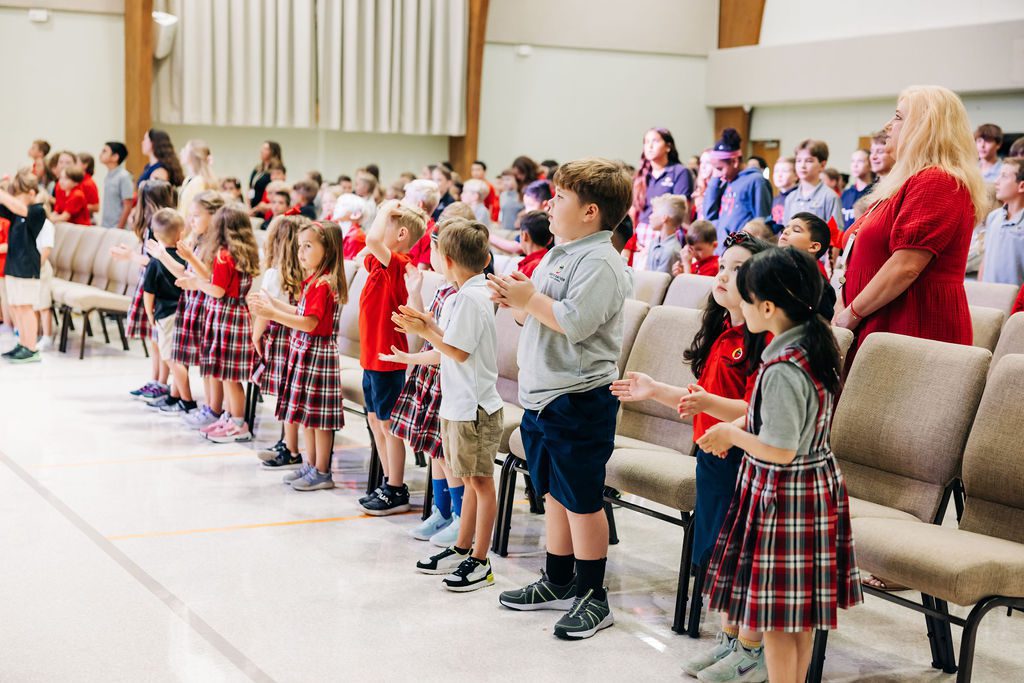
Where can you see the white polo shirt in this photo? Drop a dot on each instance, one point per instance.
(467, 319)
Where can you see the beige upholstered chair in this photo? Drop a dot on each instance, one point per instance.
(991, 294)
(650, 286)
(987, 323)
(1011, 339)
(65, 256)
(689, 291)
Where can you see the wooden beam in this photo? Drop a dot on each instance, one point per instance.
(739, 24)
(734, 117)
(138, 79)
(462, 149)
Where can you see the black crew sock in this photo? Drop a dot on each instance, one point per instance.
(171, 400)
(394, 489)
(461, 551)
(559, 569)
(590, 577)
(189, 405)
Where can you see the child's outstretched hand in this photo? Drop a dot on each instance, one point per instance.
(635, 386)
(396, 356)
(718, 439)
(513, 290)
(413, 280)
(155, 249)
(411, 321)
(120, 252)
(259, 304)
(189, 282)
(695, 402)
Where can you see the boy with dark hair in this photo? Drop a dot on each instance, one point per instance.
(572, 316)
(811, 234)
(535, 239)
(861, 179)
(303, 197)
(118, 188)
(988, 138)
(813, 195)
(734, 194)
(278, 201)
(92, 193)
(698, 256)
(37, 152)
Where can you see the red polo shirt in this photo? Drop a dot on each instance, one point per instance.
(705, 266)
(419, 255)
(631, 246)
(92, 193)
(382, 294)
(725, 374)
(529, 263)
(353, 243)
(493, 202)
(320, 304)
(75, 203)
(225, 273)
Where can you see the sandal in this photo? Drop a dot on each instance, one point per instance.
(883, 585)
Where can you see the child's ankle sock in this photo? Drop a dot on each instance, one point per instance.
(442, 497)
(461, 551)
(732, 631)
(456, 494)
(753, 646)
(171, 400)
(559, 569)
(394, 489)
(590, 577)
(238, 422)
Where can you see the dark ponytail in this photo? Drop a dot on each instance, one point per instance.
(716, 317)
(790, 279)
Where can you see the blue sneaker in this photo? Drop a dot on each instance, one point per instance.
(446, 536)
(431, 525)
(145, 388)
(313, 481)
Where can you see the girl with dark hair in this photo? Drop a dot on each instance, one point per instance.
(526, 172)
(660, 173)
(163, 160)
(270, 153)
(784, 560)
(724, 356)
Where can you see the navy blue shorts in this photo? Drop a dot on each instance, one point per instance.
(716, 483)
(567, 446)
(381, 390)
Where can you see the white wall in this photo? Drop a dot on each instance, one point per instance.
(841, 124)
(63, 81)
(801, 21)
(236, 150)
(566, 103)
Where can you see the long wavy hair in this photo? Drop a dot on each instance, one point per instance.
(282, 252)
(640, 178)
(332, 268)
(196, 154)
(232, 230)
(204, 245)
(164, 152)
(153, 196)
(936, 133)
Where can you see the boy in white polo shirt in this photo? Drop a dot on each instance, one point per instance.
(471, 409)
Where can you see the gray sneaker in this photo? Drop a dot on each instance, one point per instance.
(587, 616)
(542, 594)
(176, 409)
(739, 666)
(296, 474)
(723, 648)
(313, 481)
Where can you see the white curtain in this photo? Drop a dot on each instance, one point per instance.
(239, 63)
(393, 66)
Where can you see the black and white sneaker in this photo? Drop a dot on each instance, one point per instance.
(443, 562)
(470, 575)
(160, 402)
(271, 453)
(389, 501)
(373, 494)
(543, 594)
(587, 616)
(284, 460)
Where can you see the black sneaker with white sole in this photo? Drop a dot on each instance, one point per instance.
(284, 460)
(471, 574)
(271, 453)
(444, 562)
(587, 616)
(543, 594)
(373, 494)
(390, 501)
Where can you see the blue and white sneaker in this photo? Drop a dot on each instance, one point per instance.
(313, 481)
(431, 525)
(446, 536)
(296, 474)
(144, 389)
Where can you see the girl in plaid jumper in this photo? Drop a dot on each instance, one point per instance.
(310, 387)
(415, 416)
(282, 280)
(227, 353)
(785, 559)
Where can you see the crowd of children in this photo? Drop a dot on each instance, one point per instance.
(766, 362)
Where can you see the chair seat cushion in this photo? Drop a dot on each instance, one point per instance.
(631, 443)
(662, 476)
(512, 415)
(865, 508)
(87, 298)
(948, 563)
(352, 382)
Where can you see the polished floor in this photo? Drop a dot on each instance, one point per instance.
(134, 550)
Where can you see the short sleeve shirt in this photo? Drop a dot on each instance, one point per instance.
(1004, 248)
(160, 282)
(382, 294)
(788, 402)
(225, 274)
(725, 374)
(467, 319)
(823, 202)
(663, 253)
(22, 252)
(319, 303)
(117, 189)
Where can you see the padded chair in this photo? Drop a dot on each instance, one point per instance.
(991, 295)
(650, 286)
(69, 244)
(981, 563)
(987, 324)
(1011, 339)
(350, 271)
(689, 291)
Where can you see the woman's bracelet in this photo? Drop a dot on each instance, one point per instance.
(854, 313)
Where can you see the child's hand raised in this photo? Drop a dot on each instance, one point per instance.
(695, 402)
(717, 440)
(189, 282)
(120, 252)
(413, 280)
(396, 356)
(635, 386)
(513, 290)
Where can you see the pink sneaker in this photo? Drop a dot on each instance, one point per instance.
(224, 417)
(232, 433)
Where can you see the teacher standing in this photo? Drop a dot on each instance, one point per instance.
(906, 271)
(270, 152)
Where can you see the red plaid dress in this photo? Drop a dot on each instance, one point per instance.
(415, 415)
(228, 353)
(189, 327)
(137, 325)
(785, 559)
(310, 387)
(270, 367)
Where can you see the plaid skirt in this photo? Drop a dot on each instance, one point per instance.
(227, 352)
(137, 325)
(189, 327)
(310, 387)
(271, 365)
(785, 560)
(415, 415)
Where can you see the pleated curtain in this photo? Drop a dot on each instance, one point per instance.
(381, 66)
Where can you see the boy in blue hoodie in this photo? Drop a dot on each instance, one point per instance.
(735, 195)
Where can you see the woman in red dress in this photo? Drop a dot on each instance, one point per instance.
(906, 272)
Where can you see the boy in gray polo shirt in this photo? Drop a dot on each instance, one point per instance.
(572, 316)
(1004, 227)
(812, 195)
(118, 187)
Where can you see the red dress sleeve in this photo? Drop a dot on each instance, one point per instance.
(929, 214)
(1018, 305)
(223, 270)
(316, 297)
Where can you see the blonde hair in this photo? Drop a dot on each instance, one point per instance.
(332, 268)
(936, 134)
(422, 191)
(167, 225)
(675, 207)
(23, 182)
(282, 251)
(232, 230)
(478, 186)
(413, 220)
(198, 160)
(458, 210)
(466, 242)
(205, 246)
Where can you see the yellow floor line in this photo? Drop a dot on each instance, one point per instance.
(163, 458)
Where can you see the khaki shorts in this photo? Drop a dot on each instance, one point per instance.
(22, 291)
(45, 299)
(165, 335)
(470, 447)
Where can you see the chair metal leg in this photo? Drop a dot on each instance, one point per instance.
(65, 326)
(613, 536)
(375, 475)
(683, 588)
(85, 331)
(428, 493)
(958, 498)
(814, 671)
(970, 634)
(87, 323)
(536, 502)
(696, 599)
(120, 331)
(420, 459)
(940, 637)
(503, 518)
(103, 326)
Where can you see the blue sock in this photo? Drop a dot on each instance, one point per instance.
(456, 492)
(442, 498)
